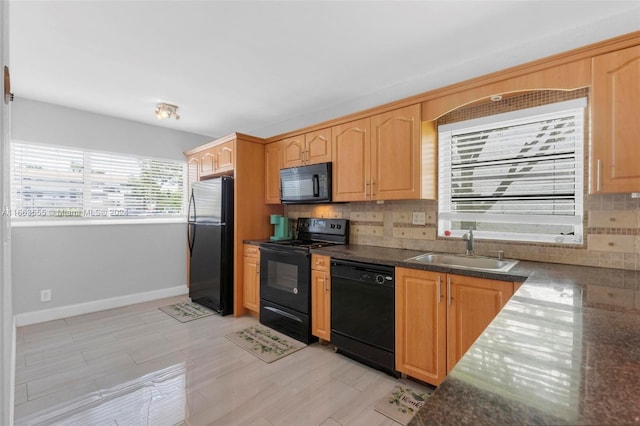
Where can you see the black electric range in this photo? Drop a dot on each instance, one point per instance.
(285, 275)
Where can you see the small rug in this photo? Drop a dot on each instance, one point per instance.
(401, 404)
(265, 343)
(187, 311)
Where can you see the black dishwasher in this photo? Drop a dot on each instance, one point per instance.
(363, 313)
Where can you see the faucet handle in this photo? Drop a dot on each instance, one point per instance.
(499, 254)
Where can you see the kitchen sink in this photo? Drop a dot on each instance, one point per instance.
(478, 263)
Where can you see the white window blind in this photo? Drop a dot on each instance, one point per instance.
(59, 182)
(515, 176)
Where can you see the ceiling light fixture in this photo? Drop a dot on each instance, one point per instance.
(167, 111)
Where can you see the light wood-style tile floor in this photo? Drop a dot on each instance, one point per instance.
(136, 365)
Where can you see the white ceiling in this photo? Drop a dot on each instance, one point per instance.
(267, 67)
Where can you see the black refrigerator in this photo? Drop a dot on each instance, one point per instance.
(210, 239)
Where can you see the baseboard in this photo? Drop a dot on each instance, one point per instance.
(45, 315)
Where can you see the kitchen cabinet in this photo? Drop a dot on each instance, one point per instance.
(193, 170)
(217, 159)
(273, 159)
(439, 316)
(310, 148)
(251, 285)
(615, 108)
(378, 157)
(421, 325)
(472, 303)
(321, 297)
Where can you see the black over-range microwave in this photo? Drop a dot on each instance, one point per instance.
(306, 184)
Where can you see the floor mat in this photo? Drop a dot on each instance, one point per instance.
(265, 343)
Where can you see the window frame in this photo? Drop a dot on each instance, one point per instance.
(36, 217)
(445, 214)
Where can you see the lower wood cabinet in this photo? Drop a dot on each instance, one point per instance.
(439, 316)
(321, 297)
(251, 284)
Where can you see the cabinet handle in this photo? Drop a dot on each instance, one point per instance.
(372, 185)
(598, 164)
(449, 296)
(366, 189)
(438, 289)
(326, 288)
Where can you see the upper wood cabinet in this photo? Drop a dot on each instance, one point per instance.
(615, 108)
(351, 166)
(273, 159)
(310, 148)
(293, 150)
(378, 158)
(193, 171)
(439, 316)
(217, 159)
(395, 154)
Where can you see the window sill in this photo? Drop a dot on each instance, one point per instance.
(94, 222)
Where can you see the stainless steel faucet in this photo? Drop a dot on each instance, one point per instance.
(468, 237)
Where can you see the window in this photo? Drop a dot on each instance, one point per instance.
(514, 176)
(51, 182)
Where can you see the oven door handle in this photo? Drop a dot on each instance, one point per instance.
(281, 251)
(283, 313)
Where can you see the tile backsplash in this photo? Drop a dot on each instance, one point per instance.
(612, 236)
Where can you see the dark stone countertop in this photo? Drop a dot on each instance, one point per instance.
(565, 349)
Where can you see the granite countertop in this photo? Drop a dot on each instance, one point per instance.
(565, 349)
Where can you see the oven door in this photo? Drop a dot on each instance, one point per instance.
(285, 278)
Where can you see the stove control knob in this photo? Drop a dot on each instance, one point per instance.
(295, 290)
(379, 279)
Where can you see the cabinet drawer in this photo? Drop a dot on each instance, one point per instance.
(320, 263)
(251, 251)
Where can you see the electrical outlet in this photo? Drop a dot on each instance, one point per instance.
(45, 295)
(419, 218)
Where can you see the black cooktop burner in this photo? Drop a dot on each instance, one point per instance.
(315, 233)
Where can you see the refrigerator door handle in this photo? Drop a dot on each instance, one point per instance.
(192, 203)
(191, 236)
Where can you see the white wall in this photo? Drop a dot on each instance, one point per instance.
(33, 121)
(7, 324)
(83, 264)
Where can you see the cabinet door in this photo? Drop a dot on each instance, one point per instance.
(318, 146)
(421, 325)
(320, 263)
(350, 151)
(472, 304)
(251, 284)
(193, 171)
(321, 304)
(208, 162)
(616, 124)
(224, 157)
(294, 151)
(273, 164)
(395, 154)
